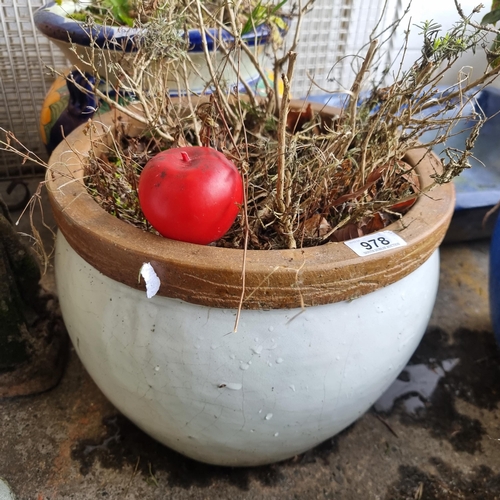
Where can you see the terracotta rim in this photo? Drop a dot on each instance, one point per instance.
(212, 276)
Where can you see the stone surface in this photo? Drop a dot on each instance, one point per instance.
(70, 443)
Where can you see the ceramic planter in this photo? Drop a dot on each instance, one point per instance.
(288, 378)
(88, 48)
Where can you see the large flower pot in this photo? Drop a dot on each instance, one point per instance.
(98, 47)
(289, 378)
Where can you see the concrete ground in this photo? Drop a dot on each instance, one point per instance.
(434, 435)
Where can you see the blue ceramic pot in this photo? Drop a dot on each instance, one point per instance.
(495, 280)
(52, 20)
(102, 47)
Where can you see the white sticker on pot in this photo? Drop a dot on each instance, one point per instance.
(375, 243)
(151, 279)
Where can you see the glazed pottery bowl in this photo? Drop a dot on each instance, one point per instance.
(323, 331)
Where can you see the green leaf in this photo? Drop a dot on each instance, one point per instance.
(491, 17)
(283, 2)
(493, 57)
(253, 19)
(262, 14)
(120, 10)
(278, 21)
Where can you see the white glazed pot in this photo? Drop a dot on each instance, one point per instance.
(104, 46)
(275, 388)
(287, 379)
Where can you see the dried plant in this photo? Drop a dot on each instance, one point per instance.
(309, 178)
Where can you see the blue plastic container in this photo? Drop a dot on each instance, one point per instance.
(495, 280)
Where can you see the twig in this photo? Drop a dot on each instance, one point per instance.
(279, 62)
(302, 10)
(213, 75)
(476, 83)
(281, 158)
(136, 468)
(234, 32)
(354, 95)
(391, 430)
(245, 251)
(468, 20)
(126, 110)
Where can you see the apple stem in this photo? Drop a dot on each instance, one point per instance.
(185, 156)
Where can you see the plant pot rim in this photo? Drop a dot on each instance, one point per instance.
(212, 276)
(51, 20)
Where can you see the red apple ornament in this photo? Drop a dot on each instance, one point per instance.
(191, 194)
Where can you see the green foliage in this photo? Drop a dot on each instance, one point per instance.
(262, 14)
(492, 17)
(439, 47)
(118, 10)
(123, 12)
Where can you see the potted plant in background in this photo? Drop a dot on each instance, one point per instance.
(99, 36)
(94, 34)
(284, 330)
